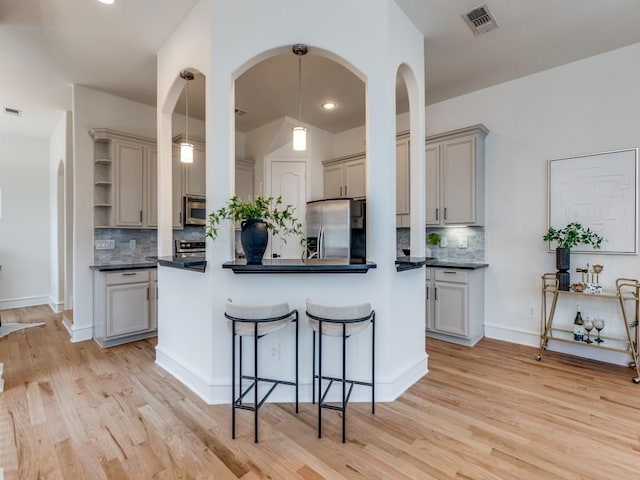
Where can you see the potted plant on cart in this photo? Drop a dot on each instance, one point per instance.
(567, 237)
(256, 218)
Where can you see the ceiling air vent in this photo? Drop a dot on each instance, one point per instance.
(480, 20)
(240, 112)
(13, 111)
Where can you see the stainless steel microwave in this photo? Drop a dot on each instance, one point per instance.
(195, 211)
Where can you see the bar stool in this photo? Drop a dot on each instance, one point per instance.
(256, 321)
(339, 321)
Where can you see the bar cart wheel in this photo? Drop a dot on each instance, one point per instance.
(632, 365)
(636, 379)
(538, 357)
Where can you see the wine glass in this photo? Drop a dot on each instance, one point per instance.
(599, 324)
(588, 326)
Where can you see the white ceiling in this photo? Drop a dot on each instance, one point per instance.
(48, 45)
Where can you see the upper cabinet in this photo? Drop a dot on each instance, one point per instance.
(454, 170)
(403, 199)
(125, 180)
(345, 177)
(195, 179)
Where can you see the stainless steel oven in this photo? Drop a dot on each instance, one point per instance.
(195, 211)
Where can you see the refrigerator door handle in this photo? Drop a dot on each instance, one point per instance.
(321, 243)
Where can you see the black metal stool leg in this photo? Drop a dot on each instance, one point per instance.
(313, 368)
(255, 383)
(320, 380)
(233, 381)
(297, 382)
(373, 364)
(344, 381)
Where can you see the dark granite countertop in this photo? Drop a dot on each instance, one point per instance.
(114, 267)
(410, 263)
(196, 263)
(289, 265)
(453, 264)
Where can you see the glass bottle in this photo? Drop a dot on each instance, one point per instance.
(578, 326)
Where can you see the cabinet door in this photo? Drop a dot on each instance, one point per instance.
(355, 177)
(244, 181)
(195, 174)
(432, 184)
(450, 308)
(127, 308)
(459, 181)
(152, 187)
(402, 178)
(333, 181)
(429, 310)
(176, 187)
(153, 310)
(129, 195)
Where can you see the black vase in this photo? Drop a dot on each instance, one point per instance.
(254, 238)
(563, 264)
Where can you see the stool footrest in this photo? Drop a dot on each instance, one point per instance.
(326, 391)
(238, 402)
(338, 379)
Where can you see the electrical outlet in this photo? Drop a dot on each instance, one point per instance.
(462, 242)
(132, 244)
(443, 242)
(275, 352)
(532, 311)
(105, 244)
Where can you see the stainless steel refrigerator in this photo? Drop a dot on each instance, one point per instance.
(337, 230)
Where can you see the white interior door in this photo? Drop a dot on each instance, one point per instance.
(288, 179)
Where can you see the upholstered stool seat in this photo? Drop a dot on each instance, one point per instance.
(256, 321)
(339, 321)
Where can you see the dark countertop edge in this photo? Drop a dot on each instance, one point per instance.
(460, 265)
(410, 263)
(243, 268)
(114, 267)
(194, 264)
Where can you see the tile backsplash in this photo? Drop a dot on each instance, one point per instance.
(146, 243)
(474, 237)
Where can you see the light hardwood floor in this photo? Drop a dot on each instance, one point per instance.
(75, 411)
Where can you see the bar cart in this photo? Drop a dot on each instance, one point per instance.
(627, 290)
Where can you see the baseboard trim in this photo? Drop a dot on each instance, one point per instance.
(24, 302)
(218, 391)
(77, 334)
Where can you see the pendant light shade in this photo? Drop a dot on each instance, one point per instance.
(186, 148)
(299, 132)
(299, 139)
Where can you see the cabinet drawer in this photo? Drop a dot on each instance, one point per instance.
(450, 275)
(120, 278)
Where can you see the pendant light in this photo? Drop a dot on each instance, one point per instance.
(186, 148)
(299, 132)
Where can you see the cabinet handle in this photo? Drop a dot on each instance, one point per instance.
(445, 213)
(147, 293)
(128, 274)
(180, 217)
(427, 293)
(141, 215)
(345, 190)
(156, 293)
(450, 273)
(435, 293)
(340, 191)
(437, 214)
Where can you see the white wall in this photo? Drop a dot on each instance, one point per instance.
(58, 163)
(371, 38)
(584, 107)
(25, 221)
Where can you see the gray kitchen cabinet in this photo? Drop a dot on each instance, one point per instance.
(125, 306)
(403, 199)
(345, 177)
(125, 180)
(454, 177)
(244, 179)
(177, 204)
(194, 174)
(455, 305)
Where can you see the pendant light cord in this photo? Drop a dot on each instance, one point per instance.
(299, 87)
(187, 109)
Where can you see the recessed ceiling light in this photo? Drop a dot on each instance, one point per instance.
(329, 105)
(107, 2)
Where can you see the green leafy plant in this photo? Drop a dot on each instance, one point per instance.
(573, 234)
(433, 238)
(279, 218)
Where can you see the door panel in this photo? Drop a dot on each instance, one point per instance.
(288, 179)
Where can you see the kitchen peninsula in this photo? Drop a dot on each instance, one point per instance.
(314, 265)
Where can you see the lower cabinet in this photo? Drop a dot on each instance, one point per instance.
(455, 305)
(125, 306)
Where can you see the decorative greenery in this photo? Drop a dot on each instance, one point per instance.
(573, 234)
(279, 218)
(433, 238)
